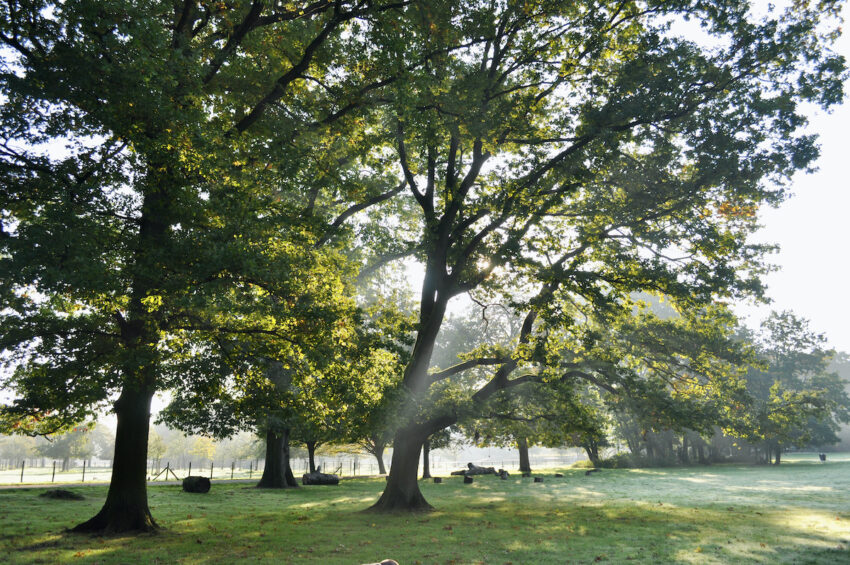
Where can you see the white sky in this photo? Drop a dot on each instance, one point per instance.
(813, 278)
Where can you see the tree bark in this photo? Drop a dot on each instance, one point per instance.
(778, 455)
(524, 460)
(376, 447)
(684, 457)
(402, 493)
(126, 507)
(592, 450)
(311, 455)
(426, 462)
(277, 473)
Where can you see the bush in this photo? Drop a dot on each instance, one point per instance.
(618, 461)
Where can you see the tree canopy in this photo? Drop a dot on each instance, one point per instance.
(190, 191)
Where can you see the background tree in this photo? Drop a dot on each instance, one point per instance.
(74, 444)
(796, 399)
(14, 448)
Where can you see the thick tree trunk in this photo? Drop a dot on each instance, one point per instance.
(277, 472)
(777, 454)
(402, 492)
(684, 457)
(66, 463)
(426, 463)
(311, 455)
(126, 507)
(524, 460)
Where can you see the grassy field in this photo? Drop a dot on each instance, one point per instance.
(798, 512)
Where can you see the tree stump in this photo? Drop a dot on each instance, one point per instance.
(318, 478)
(195, 483)
(438, 480)
(538, 479)
(467, 480)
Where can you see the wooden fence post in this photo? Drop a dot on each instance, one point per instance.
(23, 463)
(84, 471)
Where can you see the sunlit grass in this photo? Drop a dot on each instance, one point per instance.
(798, 512)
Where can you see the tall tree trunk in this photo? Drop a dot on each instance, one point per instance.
(311, 455)
(66, 463)
(592, 450)
(778, 454)
(426, 463)
(126, 507)
(402, 492)
(524, 460)
(379, 455)
(277, 472)
(684, 457)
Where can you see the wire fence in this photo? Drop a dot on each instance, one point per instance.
(41, 471)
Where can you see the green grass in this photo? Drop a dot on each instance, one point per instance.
(798, 512)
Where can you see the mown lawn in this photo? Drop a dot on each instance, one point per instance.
(798, 512)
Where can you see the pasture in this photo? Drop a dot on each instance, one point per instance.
(798, 512)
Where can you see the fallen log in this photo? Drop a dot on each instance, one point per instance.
(472, 470)
(317, 478)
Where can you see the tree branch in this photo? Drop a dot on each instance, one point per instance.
(461, 367)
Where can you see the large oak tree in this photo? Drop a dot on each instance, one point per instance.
(160, 190)
(563, 155)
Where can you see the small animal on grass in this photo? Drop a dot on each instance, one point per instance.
(586, 473)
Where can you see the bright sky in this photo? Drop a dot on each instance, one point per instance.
(813, 278)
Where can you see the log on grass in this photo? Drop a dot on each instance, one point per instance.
(318, 478)
(472, 470)
(196, 483)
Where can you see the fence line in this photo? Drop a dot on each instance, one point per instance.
(41, 470)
